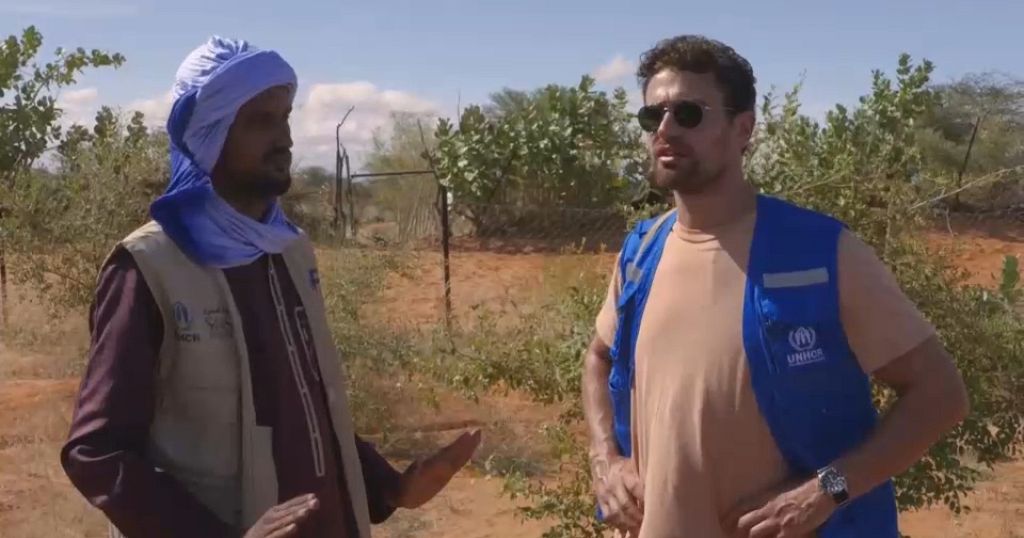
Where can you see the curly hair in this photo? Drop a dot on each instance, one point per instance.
(699, 54)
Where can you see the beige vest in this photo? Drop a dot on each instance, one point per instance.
(204, 431)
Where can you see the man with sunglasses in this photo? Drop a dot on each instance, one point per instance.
(727, 387)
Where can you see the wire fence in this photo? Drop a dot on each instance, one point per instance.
(410, 213)
(461, 248)
(461, 241)
(397, 211)
(515, 229)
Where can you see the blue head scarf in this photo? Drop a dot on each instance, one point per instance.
(213, 82)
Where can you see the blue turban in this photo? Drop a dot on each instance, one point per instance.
(213, 82)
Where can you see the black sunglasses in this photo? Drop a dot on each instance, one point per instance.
(687, 114)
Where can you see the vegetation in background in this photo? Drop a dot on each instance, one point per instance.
(29, 115)
(560, 146)
(987, 110)
(28, 97)
(410, 202)
(64, 221)
(881, 166)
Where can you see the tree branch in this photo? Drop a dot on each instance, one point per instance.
(983, 180)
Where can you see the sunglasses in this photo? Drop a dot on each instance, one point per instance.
(687, 114)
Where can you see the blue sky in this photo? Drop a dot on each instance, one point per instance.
(426, 56)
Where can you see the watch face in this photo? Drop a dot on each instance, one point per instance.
(833, 482)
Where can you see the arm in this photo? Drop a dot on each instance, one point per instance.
(932, 399)
(597, 367)
(597, 405)
(382, 482)
(616, 482)
(898, 347)
(387, 490)
(104, 456)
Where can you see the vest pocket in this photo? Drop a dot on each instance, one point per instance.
(822, 396)
(800, 333)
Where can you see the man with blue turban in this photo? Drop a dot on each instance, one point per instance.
(213, 404)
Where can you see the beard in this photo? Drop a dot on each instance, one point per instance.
(274, 178)
(690, 176)
(268, 185)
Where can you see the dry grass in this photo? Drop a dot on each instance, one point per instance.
(41, 356)
(36, 499)
(49, 346)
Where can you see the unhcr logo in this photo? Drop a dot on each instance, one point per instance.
(182, 317)
(804, 342)
(183, 321)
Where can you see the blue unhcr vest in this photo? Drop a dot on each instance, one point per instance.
(807, 382)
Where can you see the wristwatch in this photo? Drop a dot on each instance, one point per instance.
(833, 483)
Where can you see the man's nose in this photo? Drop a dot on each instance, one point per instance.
(668, 129)
(668, 126)
(284, 138)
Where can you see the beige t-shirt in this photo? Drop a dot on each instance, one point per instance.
(700, 442)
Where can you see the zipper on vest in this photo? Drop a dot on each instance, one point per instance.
(313, 425)
(768, 326)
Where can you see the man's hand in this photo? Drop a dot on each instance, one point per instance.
(619, 493)
(426, 478)
(794, 511)
(284, 519)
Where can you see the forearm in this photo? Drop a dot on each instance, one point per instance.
(382, 482)
(597, 404)
(921, 416)
(136, 498)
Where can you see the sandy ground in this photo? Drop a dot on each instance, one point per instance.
(36, 398)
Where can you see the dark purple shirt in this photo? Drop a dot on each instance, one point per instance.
(105, 454)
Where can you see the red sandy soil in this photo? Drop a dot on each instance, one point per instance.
(35, 402)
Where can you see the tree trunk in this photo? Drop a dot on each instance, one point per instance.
(3, 276)
(3, 287)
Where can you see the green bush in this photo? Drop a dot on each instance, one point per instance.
(570, 146)
(376, 359)
(61, 224)
(538, 355)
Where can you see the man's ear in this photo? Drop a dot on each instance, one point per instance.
(746, 124)
(743, 124)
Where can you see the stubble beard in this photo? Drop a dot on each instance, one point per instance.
(267, 184)
(690, 177)
(272, 186)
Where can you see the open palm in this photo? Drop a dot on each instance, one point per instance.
(426, 478)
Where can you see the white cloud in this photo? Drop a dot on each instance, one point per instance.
(83, 96)
(313, 122)
(315, 118)
(79, 106)
(155, 109)
(614, 70)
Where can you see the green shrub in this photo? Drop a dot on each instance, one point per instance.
(61, 224)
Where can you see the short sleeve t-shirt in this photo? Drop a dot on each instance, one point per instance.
(700, 443)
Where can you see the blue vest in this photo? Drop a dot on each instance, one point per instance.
(808, 384)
